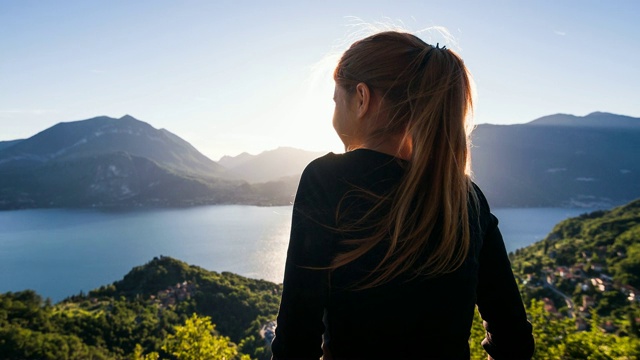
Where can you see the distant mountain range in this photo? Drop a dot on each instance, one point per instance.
(557, 160)
(554, 161)
(119, 162)
(270, 165)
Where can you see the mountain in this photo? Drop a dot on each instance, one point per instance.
(559, 160)
(233, 300)
(103, 134)
(273, 173)
(230, 162)
(269, 165)
(117, 162)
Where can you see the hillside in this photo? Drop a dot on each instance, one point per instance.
(142, 310)
(234, 301)
(607, 240)
(588, 263)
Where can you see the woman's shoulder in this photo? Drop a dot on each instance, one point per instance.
(487, 219)
(482, 200)
(325, 162)
(356, 162)
(322, 172)
(327, 170)
(364, 169)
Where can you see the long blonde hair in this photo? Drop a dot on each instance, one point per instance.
(426, 95)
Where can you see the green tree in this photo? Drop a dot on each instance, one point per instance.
(595, 344)
(24, 344)
(138, 354)
(478, 333)
(196, 340)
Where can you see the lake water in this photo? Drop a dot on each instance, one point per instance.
(58, 252)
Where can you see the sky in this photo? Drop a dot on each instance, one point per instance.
(248, 76)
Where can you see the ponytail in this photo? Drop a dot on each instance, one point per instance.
(427, 95)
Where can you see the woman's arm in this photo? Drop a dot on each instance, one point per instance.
(499, 303)
(299, 325)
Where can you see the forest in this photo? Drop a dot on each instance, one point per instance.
(579, 285)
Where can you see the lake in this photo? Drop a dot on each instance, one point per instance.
(60, 252)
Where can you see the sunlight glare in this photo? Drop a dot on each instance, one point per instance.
(310, 116)
(310, 111)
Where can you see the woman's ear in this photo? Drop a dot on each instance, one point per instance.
(363, 97)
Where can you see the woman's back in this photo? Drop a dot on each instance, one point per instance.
(404, 318)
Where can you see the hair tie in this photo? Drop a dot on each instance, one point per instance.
(444, 47)
(427, 55)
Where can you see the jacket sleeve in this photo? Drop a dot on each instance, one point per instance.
(299, 324)
(509, 333)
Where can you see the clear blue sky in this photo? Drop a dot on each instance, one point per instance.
(234, 76)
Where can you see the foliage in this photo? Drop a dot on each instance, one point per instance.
(138, 354)
(196, 340)
(602, 253)
(558, 338)
(475, 340)
(602, 244)
(20, 343)
(137, 315)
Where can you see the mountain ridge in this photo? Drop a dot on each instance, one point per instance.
(270, 165)
(103, 134)
(558, 160)
(594, 119)
(552, 161)
(104, 162)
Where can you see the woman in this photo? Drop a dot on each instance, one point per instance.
(392, 245)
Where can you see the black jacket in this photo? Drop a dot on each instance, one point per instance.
(405, 318)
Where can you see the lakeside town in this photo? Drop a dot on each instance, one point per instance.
(579, 287)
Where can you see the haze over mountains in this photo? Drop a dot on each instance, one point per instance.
(269, 165)
(557, 160)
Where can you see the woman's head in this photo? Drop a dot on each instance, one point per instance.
(394, 89)
(424, 92)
